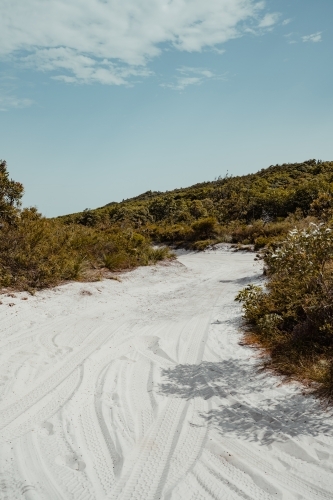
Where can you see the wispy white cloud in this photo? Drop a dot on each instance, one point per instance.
(9, 101)
(290, 38)
(295, 37)
(8, 89)
(191, 76)
(315, 37)
(182, 82)
(286, 21)
(81, 68)
(112, 41)
(269, 20)
(219, 51)
(206, 73)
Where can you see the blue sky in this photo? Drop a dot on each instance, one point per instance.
(101, 100)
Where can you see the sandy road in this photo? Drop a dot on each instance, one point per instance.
(140, 390)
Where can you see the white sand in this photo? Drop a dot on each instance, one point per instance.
(140, 390)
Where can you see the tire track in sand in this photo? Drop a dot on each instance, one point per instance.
(14, 410)
(147, 478)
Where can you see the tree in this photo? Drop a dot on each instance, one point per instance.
(11, 193)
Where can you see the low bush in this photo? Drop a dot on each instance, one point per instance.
(36, 252)
(175, 234)
(204, 228)
(117, 261)
(202, 244)
(260, 242)
(260, 230)
(293, 315)
(155, 255)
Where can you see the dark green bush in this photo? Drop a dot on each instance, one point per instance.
(205, 227)
(260, 242)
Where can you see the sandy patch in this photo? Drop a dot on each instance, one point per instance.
(139, 389)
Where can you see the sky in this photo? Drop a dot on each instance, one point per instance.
(101, 100)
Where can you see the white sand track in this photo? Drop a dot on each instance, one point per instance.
(140, 390)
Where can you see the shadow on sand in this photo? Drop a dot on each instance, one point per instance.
(246, 280)
(243, 410)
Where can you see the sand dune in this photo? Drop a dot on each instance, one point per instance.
(140, 390)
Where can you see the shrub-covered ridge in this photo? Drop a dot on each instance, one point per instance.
(244, 208)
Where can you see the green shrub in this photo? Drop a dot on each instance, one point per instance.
(253, 298)
(326, 380)
(36, 252)
(118, 261)
(155, 255)
(322, 207)
(259, 229)
(89, 218)
(197, 209)
(176, 233)
(294, 316)
(260, 242)
(205, 227)
(201, 245)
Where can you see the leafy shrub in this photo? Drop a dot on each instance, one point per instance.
(201, 245)
(118, 261)
(259, 229)
(294, 316)
(197, 209)
(322, 207)
(39, 253)
(205, 227)
(260, 242)
(36, 252)
(253, 298)
(89, 218)
(176, 233)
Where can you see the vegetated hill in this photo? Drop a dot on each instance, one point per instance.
(224, 209)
